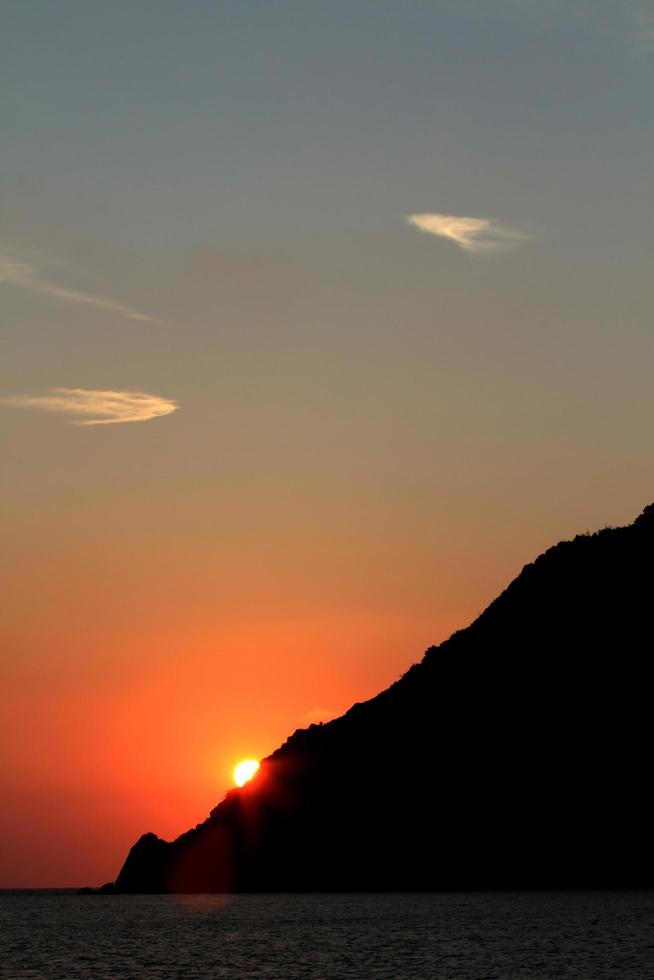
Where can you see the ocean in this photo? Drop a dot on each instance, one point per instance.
(477, 936)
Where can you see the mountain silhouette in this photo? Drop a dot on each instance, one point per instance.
(516, 754)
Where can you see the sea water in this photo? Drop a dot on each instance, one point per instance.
(476, 936)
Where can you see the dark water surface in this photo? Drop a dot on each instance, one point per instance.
(580, 935)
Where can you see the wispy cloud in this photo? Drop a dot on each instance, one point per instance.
(17, 271)
(474, 235)
(90, 407)
(316, 716)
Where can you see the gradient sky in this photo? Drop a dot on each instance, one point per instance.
(357, 416)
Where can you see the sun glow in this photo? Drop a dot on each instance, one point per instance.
(244, 771)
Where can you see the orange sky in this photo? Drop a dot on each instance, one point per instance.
(146, 736)
(135, 687)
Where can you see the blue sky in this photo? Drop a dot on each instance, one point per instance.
(168, 124)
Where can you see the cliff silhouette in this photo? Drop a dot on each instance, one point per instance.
(516, 754)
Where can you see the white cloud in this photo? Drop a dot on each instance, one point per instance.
(471, 234)
(16, 271)
(90, 407)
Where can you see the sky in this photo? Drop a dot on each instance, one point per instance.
(318, 320)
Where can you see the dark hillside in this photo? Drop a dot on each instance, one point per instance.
(516, 754)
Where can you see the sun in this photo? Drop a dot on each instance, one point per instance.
(244, 771)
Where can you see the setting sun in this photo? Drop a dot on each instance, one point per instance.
(244, 771)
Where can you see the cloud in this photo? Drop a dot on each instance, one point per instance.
(90, 407)
(15, 271)
(474, 235)
(316, 716)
